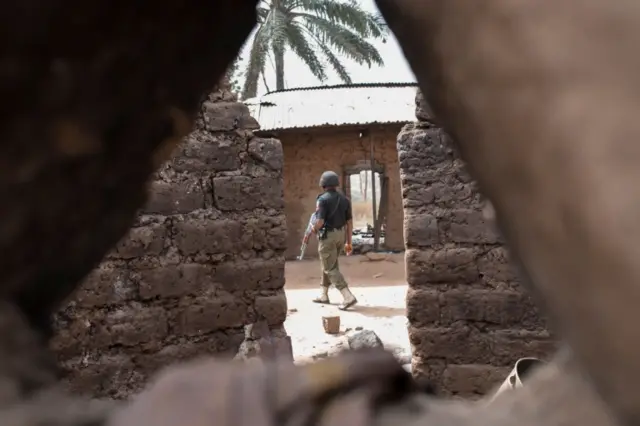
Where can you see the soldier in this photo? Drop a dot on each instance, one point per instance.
(333, 228)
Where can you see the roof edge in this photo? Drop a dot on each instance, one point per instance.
(342, 86)
(262, 132)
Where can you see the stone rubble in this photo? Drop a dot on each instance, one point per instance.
(364, 339)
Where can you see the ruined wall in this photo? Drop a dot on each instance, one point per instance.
(469, 319)
(307, 154)
(204, 258)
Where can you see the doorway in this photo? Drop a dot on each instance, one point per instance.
(367, 188)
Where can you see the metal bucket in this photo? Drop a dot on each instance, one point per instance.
(518, 375)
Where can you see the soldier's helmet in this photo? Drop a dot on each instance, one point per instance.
(329, 179)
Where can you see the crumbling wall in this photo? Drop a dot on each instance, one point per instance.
(204, 259)
(469, 319)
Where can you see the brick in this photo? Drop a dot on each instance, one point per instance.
(69, 338)
(175, 197)
(423, 307)
(441, 192)
(124, 385)
(207, 315)
(435, 191)
(128, 326)
(462, 175)
(220, 344)
(423, 147)
(464, 345)
(142, 241)
(198, 236)
(415, 198)
(268, 152)
(468, 226)
(421, 231)
(427, 369)
(505, 308)
(455, 344)
(423, 110)
(234, 193)
(251, 275)
(204, 152)
(469, 379)
(106, 285)
(222, 93)
(441, 188)
(89, 375)
(450, 265)
(417, 179)
(272, 308)
(266, 233)
(224, 116)
(508, 346)
(457, 193)
(176, 281)
(495, 267)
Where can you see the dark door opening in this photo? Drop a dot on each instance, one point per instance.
(368, 194)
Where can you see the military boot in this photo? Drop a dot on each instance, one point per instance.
(348, 299)
(324, 296)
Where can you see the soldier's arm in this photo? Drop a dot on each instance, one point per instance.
(321, 215)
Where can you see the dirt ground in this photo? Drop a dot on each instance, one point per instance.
(380, 288)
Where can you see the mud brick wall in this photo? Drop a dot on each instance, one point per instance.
(469, 319)
(204, 259)
(309, 152)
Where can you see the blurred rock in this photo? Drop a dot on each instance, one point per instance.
(364, 339)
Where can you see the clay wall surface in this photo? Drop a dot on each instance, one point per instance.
(309, 153)
(469, 319)
(204, 259)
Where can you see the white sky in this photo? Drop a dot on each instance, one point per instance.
(297, 74)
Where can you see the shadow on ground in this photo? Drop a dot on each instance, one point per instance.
(379, 311)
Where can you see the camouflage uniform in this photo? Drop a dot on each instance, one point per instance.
(335, 209)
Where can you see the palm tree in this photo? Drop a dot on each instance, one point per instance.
(317, 31)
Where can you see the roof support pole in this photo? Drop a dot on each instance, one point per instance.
(376, 236)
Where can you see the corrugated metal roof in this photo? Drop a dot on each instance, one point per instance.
(335, 106)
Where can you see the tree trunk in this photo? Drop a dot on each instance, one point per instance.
(264, 81)
(279, 59)
(250, 88)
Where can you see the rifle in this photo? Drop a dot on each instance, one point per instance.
(307, 232)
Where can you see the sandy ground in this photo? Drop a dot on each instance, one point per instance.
(381, 289)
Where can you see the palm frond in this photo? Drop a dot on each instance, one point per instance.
(301, 47)
(342, 40)
(275, 27)
(256, 63)
(333, 60)
(347, 14)
(319, 32)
